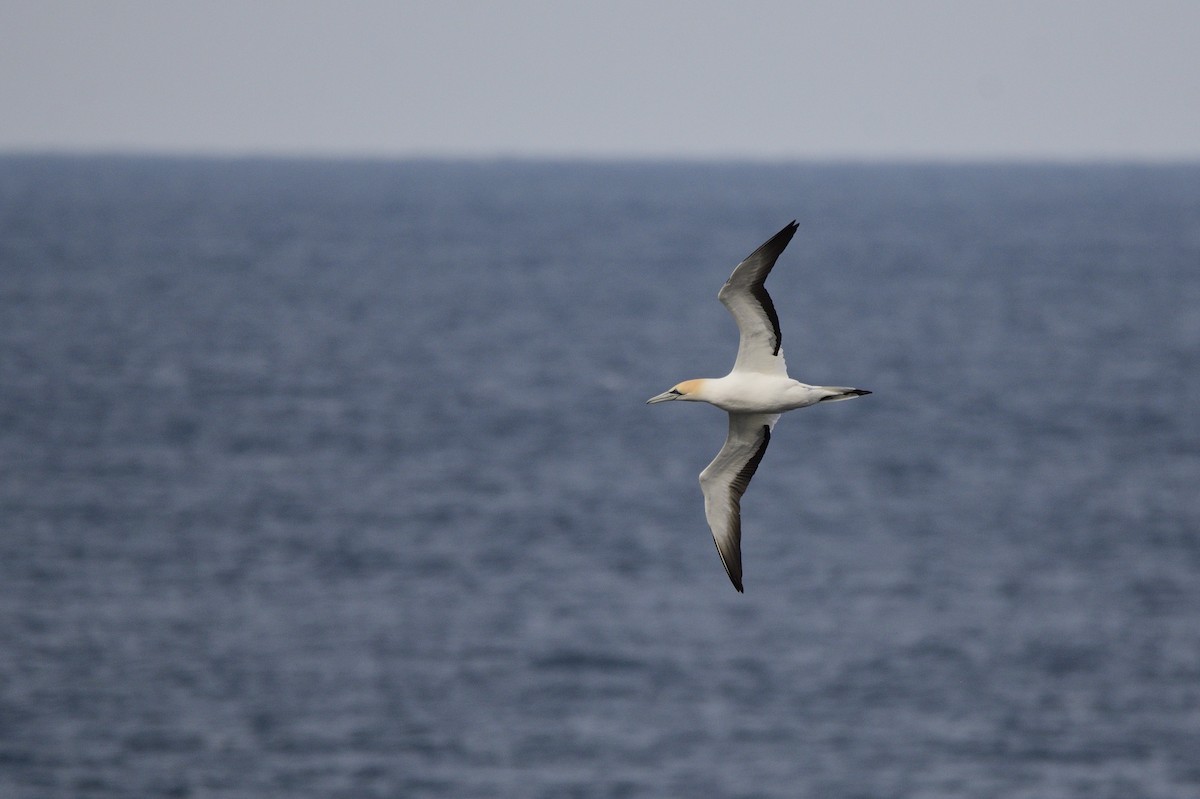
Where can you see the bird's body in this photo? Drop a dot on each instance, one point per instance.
(754, 394)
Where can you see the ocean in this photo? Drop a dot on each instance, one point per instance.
(335, 479)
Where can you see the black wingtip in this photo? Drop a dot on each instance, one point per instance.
(784, 236)
(736, 579)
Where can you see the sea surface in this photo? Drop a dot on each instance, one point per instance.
(335, 479)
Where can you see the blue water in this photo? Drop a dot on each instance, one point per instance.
(334, 479)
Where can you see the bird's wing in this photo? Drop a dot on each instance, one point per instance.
(725, 479)
(743, 294)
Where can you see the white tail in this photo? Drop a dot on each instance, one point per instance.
(842, 393)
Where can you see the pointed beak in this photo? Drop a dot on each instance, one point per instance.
(663, 397)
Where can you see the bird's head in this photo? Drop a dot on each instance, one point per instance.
(687, 390)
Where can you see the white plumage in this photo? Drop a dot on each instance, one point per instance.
(754, 394)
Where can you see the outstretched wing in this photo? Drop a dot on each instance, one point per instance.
(725, 479)
(759, 349)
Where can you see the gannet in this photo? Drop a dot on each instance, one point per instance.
(755, 393)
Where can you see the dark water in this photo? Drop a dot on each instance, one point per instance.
(336, 480)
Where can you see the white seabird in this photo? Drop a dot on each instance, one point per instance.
(755, 393)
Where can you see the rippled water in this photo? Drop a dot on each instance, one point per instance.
(335, 480)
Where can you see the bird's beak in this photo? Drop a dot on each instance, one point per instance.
(663, 397)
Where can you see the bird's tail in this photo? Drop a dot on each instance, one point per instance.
(837, 393)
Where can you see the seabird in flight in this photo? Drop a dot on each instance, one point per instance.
(755, 393)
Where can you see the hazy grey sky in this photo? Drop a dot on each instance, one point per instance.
(837, 79)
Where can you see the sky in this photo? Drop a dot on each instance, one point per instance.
(844, 79)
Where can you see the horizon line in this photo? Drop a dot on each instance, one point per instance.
(583, 157)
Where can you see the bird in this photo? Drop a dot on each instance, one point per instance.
(755, 394)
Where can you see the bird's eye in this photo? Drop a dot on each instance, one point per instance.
(676, 392)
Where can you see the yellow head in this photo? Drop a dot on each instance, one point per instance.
(687, 390)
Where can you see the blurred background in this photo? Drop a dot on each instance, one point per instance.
(325, 333)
